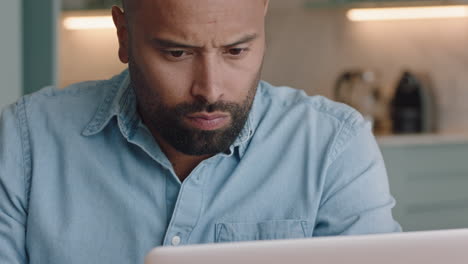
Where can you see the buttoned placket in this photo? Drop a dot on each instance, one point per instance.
(188, 207)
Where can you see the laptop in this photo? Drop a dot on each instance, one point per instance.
(428, 247)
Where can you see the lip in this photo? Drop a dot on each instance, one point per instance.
(205, 121)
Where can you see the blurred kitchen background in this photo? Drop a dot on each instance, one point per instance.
(408, 76)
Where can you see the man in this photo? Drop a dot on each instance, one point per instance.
(186, 147)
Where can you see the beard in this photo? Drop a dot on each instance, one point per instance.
(168, 122)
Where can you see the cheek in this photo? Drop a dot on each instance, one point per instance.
(169, 81)
(241, 76)
(237, 85)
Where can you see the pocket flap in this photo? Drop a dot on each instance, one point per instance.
(269, 230)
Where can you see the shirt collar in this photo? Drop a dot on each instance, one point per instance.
(121, 102)
(248, 131)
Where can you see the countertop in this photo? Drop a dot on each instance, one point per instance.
(422, 139)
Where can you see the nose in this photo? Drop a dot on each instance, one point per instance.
(207, 85)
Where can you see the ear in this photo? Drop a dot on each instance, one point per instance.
(267, 3)
(120, 23)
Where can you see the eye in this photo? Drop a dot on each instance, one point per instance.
(236, 51)
(176, 53)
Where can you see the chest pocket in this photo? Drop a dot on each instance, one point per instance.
(269, 230)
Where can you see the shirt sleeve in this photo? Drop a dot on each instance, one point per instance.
(356, 197)
(13, 200)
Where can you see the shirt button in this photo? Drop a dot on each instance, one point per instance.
(175, 240)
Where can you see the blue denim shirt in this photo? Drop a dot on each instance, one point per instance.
(83, 181)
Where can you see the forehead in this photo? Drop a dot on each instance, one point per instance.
(192, 19)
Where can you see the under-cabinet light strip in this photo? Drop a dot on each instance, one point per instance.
(88, 22)
(407, 13)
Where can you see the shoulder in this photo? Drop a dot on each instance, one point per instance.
(64, 112)
(76, 103)
(290, 100)
(321, 122)
(83, 94)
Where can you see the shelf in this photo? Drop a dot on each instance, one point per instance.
(379, 3)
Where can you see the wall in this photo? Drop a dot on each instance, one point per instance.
(309, 48)
(10, 64)
(87, 54)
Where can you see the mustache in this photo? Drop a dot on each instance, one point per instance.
(200, 106)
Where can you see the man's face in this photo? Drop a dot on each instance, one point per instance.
(195, 66)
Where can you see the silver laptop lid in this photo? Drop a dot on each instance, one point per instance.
(434, 247)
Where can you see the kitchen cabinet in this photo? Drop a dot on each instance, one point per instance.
(428, 177)
(39, 39)
(10, 65)
(88, 4)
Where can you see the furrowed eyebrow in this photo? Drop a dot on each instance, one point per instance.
(165, 43)
(243, 40)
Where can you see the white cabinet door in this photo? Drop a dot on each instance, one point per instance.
(430, 184)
